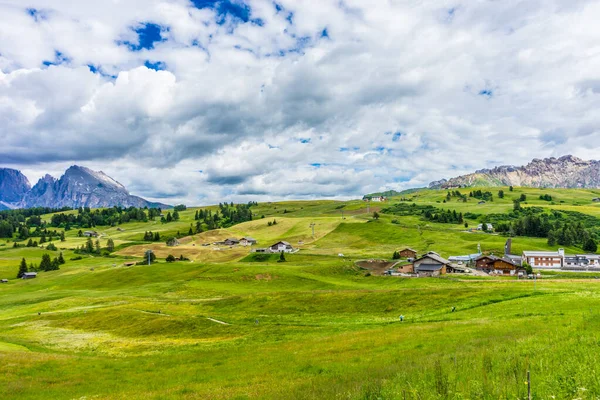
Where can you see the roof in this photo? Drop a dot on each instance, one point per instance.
(232, 240)
(491, 257)
(541, 253)
(30, 274)
(507, 260)
(408, 249)
(430, 267)
(248, 239)
(281, 242)
(434, 257)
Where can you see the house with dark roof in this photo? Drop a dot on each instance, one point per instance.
(431, 264)
(408, 253)
(230, 242)
(29, 275)
(482, 262)
(247, 241)
(498, 265)
(281, 246)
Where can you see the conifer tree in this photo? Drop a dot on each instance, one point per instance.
(22, 268)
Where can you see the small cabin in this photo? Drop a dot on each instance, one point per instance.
(29, 275)
(90, 234)
(4, 281)
(408, 253)
(247, 241)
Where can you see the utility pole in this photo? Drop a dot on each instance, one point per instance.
(312, 225)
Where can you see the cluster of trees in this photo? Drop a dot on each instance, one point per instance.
(94, 247)
(86, 218)
(565, 228)
(170, 217)
(21, 221)
(171, 258)
(444, 216)
(546, 197)
(478, 194)
(47, 264)
(227, 215)
(429, 213)
(456, 193)
(152, 237)
(271, 223)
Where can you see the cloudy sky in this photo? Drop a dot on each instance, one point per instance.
(201, 101)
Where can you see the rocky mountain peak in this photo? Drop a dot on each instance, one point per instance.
(563, 172)
(13, 185)
(78, 187)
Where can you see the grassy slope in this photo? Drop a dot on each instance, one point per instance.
(324, 328)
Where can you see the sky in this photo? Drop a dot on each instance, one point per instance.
(201, 101)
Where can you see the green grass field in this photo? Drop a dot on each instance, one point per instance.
(228, 326)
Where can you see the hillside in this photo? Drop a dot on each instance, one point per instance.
(228, 324)
(78, 187)
(563, 172)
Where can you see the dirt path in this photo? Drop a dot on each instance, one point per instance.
(217, 321)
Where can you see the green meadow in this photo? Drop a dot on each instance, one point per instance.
(228, 324)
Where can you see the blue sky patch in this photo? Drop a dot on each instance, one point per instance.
(396, 136)
(59, 58)
(148, 34)
(304, 140)
(316, 165)
(236, 10)
(157, 66)
(36, 14)
(486, 93)
(325, 33)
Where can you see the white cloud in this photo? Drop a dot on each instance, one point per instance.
(271, 109)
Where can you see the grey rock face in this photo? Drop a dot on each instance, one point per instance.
(78, 187)
(564, 172)
(13, 186)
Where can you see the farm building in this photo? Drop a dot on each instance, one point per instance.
(91, 234)
(490, 227)
(281, 246)
(492, 264)
(4, 281)
(29, 275)
(544, 259)
(408, 253)
(230, 242)
(247, 241)
(431, 264)
(482, 262)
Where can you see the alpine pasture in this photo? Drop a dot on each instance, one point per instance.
(229, 324)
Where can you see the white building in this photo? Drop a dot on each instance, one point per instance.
(544, 259)
(281, 247)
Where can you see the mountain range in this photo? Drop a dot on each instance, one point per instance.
(78, 187)
(564, 172)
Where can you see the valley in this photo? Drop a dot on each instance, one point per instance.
(228, 323)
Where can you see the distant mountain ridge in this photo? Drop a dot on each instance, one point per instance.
(564, 172)
(78, 187)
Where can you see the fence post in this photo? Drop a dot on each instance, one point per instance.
(528, 386)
